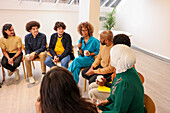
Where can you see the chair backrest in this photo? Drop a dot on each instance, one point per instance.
(23, 48)
(141, 77)
(149, 104)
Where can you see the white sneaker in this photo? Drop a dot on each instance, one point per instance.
(10, 72)
(17, 76)
(31, 80)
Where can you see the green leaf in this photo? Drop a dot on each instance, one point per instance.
(109, 20)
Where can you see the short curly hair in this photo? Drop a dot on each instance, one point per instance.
(121, 39)
(31, 24)
(59, 24)
(87, 25)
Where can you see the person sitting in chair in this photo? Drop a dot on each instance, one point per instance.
(127, 93)
(101, 65)
(35, 46)
(93, 87)
(60, 47)
(11, 46)
(88, 48)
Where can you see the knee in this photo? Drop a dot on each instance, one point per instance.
(93, 85)
(42, 54)
(27, 59)
(64, 64)
(47, 62)
(4, 63)
(17, 64)
(83, 74)
(77, 59)
(91, 80)
(91, 93)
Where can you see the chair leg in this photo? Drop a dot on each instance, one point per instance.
(3, 73)
(24, 69)
(84, 85)
(33, 65)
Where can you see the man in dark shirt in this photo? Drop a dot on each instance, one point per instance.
(60, 47)
(35, 45)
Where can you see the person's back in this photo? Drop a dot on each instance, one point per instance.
(132, 83)
(59, 94)
(127, 92)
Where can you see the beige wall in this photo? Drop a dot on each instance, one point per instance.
(148, 21)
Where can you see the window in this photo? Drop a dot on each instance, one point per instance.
(103, 3)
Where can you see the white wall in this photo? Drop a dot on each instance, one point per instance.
(47, 14)
(148, 21)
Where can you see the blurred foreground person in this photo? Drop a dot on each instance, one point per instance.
(59, 93)
(127, 93)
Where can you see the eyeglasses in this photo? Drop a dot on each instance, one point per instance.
(11, 30)
(84, 30)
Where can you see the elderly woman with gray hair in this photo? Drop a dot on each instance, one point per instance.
(127, 91)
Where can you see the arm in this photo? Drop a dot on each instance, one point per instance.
(27, 47)
(123, 98)
(18, 53)
(105, 70)
(43, 44)
(97, 47)
(5, 54)
(97, 60)
(68, 47)
(52, 45)
(19, 45)
(105, 82)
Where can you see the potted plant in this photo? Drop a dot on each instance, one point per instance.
(109, 20)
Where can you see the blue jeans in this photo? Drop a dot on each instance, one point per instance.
(64, 61)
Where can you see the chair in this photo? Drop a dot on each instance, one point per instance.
(141, 77)
(149, 104)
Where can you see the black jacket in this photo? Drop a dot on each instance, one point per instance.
(67, 44)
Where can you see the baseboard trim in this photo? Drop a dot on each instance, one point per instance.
(150, 53)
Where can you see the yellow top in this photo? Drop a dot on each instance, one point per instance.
(59, 49)
(11, 44)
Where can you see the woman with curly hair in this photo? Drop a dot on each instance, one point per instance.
(59, 93)
(88, 48)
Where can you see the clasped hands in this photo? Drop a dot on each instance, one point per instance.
(56, 59)
(11, 61)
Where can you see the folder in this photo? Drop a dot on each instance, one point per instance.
(104, 89)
